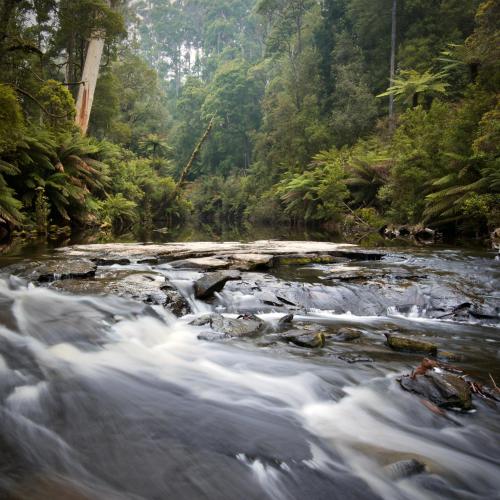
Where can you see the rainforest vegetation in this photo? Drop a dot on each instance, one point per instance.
(335, 113)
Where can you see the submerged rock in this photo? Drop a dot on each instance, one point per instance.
(404, 468)
(243, 326)
(304, 339)
(443, 389)
(346, 273)
(213, 336)
(206, 286)
(407, 344)
(351, 358)
(450, 356)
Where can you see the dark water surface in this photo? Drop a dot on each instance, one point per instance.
(104, 397)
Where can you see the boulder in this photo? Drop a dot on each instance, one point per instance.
(243, 326)
(407, 344)
(347, 334)
(206, 286)
(251, 261)
(304, 339)
(443, 389)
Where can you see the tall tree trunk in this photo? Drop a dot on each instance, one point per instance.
(196, 152)
(89, 78)
(393, 61)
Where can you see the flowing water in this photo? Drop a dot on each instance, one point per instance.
(103, 397)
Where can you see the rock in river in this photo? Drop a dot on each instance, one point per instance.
(407, 344)
(347, 334)
(404, 468)
(206, 286)
(175, 302)
(443, 389)
(54, 269)
(243, 326)
(304, 339)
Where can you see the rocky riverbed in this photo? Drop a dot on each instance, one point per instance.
(272, 369)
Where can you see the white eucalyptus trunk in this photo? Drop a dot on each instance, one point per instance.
(89, 79)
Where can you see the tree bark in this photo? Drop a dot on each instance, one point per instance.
(393, 60)
(89, 78)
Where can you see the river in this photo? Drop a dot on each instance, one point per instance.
(107, 397)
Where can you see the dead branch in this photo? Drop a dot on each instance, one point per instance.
(194, 156)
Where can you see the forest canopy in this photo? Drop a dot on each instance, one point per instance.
(345, 114)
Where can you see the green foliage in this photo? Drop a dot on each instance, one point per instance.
(298, 132)
(220, 200)
(367, 172)
(59, 106)
(118, 211)
(411, 84)
(318, 193)
(11, 118)
(10, 207)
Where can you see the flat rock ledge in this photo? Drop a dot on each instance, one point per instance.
(257, 255)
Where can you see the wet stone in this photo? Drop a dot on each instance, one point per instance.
(352, 274)
(304, 259)
(251, 261)
(175, 302)
(207, 263)
(110, 261)
(212, 336)
(53, 270)
(211, 283)
(347, 334)
(443, 389)
(243, 326)
(304, 339)
(406, 344)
